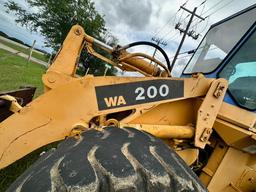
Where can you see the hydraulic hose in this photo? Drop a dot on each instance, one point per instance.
(152, 45)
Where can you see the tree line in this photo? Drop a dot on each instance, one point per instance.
(53, 20)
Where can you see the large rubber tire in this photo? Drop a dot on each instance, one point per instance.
(112, 160)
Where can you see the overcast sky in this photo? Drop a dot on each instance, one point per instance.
(136, 20)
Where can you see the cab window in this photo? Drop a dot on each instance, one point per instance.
(218, 42)
(240, 72)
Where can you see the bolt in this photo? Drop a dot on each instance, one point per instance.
(251, 180)
(78, 31)
(195, 75)
(51, 80)
(203, 139)
(222, 87)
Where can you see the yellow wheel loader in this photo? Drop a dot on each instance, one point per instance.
(152, 133)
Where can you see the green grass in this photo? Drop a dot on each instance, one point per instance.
(24, 50)
(16, 71)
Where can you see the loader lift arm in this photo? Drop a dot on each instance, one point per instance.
(65, 63)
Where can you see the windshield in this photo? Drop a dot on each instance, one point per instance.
(218, 42)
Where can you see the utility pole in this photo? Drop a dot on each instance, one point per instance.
(186, 31)
(158, 42)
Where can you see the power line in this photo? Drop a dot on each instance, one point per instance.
(197, 21)
(203, 3)
(165, 25)
(169, 21)
(180, 24)
(195, 25)
(186, 31)
(188, 52)
(220, 8)
(158, 42)
(174, 36)
(206, 25)
(213, 6)
(182, 12)
(181, 20)
(208, 16)
(191, 52)
(174, 16)
(167, 33)
(185, 3)
(200, 22)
